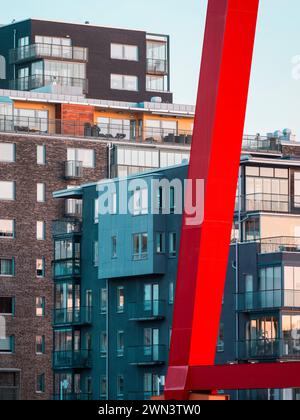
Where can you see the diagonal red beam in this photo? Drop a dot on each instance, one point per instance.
(215, 157)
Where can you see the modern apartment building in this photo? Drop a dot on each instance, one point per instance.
(50, 142)
(115, 290)
(102, 63)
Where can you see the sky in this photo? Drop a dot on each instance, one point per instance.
(274, 98)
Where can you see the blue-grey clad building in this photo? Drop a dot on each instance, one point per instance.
(115, 279)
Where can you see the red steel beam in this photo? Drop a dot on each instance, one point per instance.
(215, 158)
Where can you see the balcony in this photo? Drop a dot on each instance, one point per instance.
(157, 66)
(72, 397)
(73, 169)
(73, 208)
(268, 349)
(36, 51)
(147, 355)
(147, 311)
(78, 359)
(279, 244)
(66, 268)
(66, 227)
(260, 144)
(40, 80)
(268, 300)
(72, 317)
(271, 203)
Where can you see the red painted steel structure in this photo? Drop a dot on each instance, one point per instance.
(215, 157)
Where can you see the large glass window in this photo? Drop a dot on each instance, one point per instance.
(159, 129)
(6, 305)
(292, 287)
(64, 70)
(7, 228)
(64, 250)
(34, 120)
(157, 50)
(124, 82)
(7, 267)
(116, 127)
(156, 83)
(86, 156)
(291, 335)
(297, 189)
(7, 152)
(124, 52)
(7, 190)
(52, 40)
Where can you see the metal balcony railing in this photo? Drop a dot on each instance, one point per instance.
(72, 316)
(157, 66)
(267, 349)
(147, 311)
(67, 268)
(77, 359)
(66, 227)
(147, 355)
(73, 169)
(40, 80)
(72, 397)
(261, 144)
(34, 51)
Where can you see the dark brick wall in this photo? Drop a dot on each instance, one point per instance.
(25, 287)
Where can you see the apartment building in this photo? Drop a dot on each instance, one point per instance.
(39, 154)
(118, 323)
(99, 62)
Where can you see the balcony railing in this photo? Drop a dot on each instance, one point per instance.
(157, 66)
(266, 300)
(73, 208)
(73, 316)
(279, 244)
(72, 397)
(34, 51)
(147, 355)
(267, 349)
(66, 268)
(73, 169)
(261, 144)
(147, 311)
(66, 227)
(40, 80)
(77, 359)
(272, 203)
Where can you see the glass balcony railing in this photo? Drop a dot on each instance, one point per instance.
(66, 227)
(147, 311)
(267, 349)
(157, 66)
(73, 169)
(72, 397)
(261, 144)
(34, 51)
(73, 316)
(279, 244)
(77, 359)
(147, 355)
(266, 300)
(38, 81)
(275, 203)
(66, 268)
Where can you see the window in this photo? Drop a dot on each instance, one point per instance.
(114, 249)
(140, 246)
(40, 306)
(7, 306)
(40, 344)
(123, 82)
(120, 300)
(2, 68)
(140, 202)
(40, 267)
(220, 347)
(7, 190)
(297, 189)
(103, 301)
(7, 228)
(120, 387)
(7, 345)
(103, 344)
(23, 42)
(41, 193)
(173, 244)
(53, 40)
(270, 279)
(124, 52)
(156, 83)
(171, 293)
(7, 267)
(40, 231)
(151, 385)
(96, 215)
(160, 243)
(96, 254)
(40, 384)
(86, 156)
(41, 155)
(7, 152)
(172, 200)
(103, 387)
(34, 120)
(119, 128)
(292, 287)
(120, 343)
